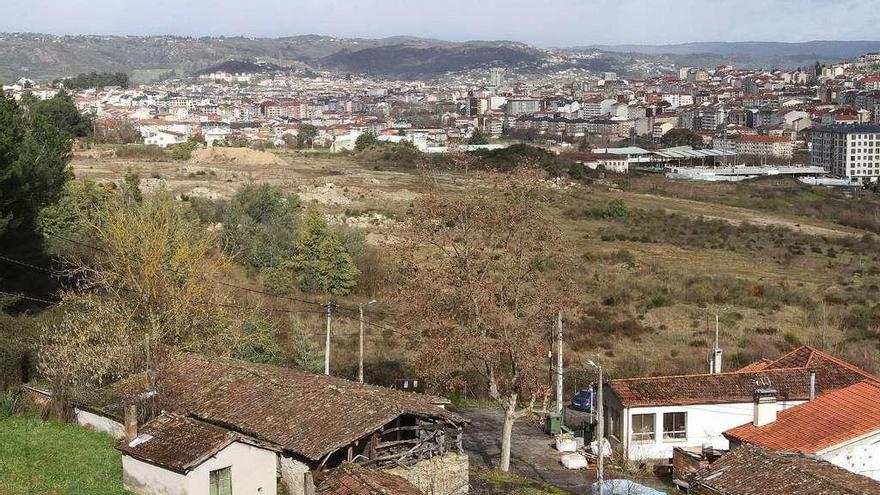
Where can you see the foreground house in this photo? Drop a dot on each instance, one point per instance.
(753, 471)
(646, 418)
(219, 425)
(841, 427)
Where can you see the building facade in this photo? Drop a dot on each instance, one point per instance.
(851, 151)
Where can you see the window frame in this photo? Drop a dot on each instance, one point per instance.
(215, 481)
(644, 436)
(672, 435)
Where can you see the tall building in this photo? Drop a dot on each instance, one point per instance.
(851, 151)
(496, 77)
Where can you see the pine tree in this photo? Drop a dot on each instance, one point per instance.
(320, 261)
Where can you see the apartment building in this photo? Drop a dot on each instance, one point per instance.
(851, 151)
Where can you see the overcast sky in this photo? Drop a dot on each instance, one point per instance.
(538, 22)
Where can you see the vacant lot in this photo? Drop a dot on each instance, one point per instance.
(46, 457)
(780, 263)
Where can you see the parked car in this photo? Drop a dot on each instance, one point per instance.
(583, 400)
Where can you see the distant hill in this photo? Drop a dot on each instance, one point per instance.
(46, 57)
(756, 49)
(415, 61)
(240, 67)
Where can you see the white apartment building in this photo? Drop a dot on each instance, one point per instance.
(851, 151)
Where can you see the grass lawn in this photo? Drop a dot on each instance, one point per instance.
(47, 457)
(495, 482)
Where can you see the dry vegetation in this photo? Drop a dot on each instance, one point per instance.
(780, 263)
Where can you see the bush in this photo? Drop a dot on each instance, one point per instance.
(182, 151)
(148, 152)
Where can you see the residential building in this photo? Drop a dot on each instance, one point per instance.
(841, 427)
(851, 151)
(245, 425)
(647, 417)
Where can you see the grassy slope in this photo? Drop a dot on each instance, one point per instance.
(46, 457)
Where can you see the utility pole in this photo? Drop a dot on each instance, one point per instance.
(329, 307)
(600, 443)
(361, 342)
(559, 374)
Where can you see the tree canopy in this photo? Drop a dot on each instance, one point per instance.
(682, 137)
(320, 262)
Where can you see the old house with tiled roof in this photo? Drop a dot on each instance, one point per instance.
(754, 471)
(646, 418)
(841, 427)
(270, 422)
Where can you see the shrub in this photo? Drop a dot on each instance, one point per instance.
(148, 152)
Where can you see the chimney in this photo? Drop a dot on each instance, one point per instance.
(765, 406)
(131, 422)
(812, 384)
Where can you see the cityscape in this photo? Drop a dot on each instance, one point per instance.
(510, 255)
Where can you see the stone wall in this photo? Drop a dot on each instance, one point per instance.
(443, 475)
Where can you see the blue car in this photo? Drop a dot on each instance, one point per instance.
(583, 400)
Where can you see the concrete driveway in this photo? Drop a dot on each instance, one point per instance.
(533, 452)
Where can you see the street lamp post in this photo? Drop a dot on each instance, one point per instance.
(361, 306)
(601, 429)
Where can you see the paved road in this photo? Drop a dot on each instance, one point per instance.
(533, 452)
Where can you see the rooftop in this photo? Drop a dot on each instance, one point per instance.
(752, 471)
(178, 443)
(309, 415)
(351, 479)
(832, 419)
(789, 375)
(850, 128)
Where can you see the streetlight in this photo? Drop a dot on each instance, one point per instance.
(361, 306)
(601, 433)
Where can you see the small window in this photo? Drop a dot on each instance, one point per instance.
(221, 482)
(643, 427)
(674, 426)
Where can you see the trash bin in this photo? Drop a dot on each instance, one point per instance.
(554, 424)
(587, 431)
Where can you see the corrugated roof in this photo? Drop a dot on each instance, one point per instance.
(831, 419)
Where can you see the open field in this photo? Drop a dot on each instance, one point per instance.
(50, 458)
(779, 268)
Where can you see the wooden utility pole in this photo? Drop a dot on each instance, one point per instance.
(601, 443)
(559, 375)
(361, 307)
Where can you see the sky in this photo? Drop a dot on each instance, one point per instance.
(538, 22)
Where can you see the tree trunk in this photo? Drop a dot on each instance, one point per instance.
(507, 433)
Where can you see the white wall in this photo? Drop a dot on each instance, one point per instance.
(293, 476)
(705, 425)
(861, 456)
(98, 423)
(147, 479)
(253, 471)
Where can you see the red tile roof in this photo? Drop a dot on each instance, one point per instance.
(304, 413)
(789, 375)
(351, 479)
(756, 366)
(179, 443)
(834, 418)
(752, 471)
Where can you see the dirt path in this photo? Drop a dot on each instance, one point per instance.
(732, 214)
(532, 452)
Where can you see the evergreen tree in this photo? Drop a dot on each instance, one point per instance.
(320, 262)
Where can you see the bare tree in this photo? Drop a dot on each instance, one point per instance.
(480, 282)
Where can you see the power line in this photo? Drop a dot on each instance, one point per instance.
(28, 265)
(22, 296)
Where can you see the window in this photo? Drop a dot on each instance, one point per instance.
(643, 427)
(674, 426)
(221, 482)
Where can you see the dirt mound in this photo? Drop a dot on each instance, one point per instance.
(238, 156)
